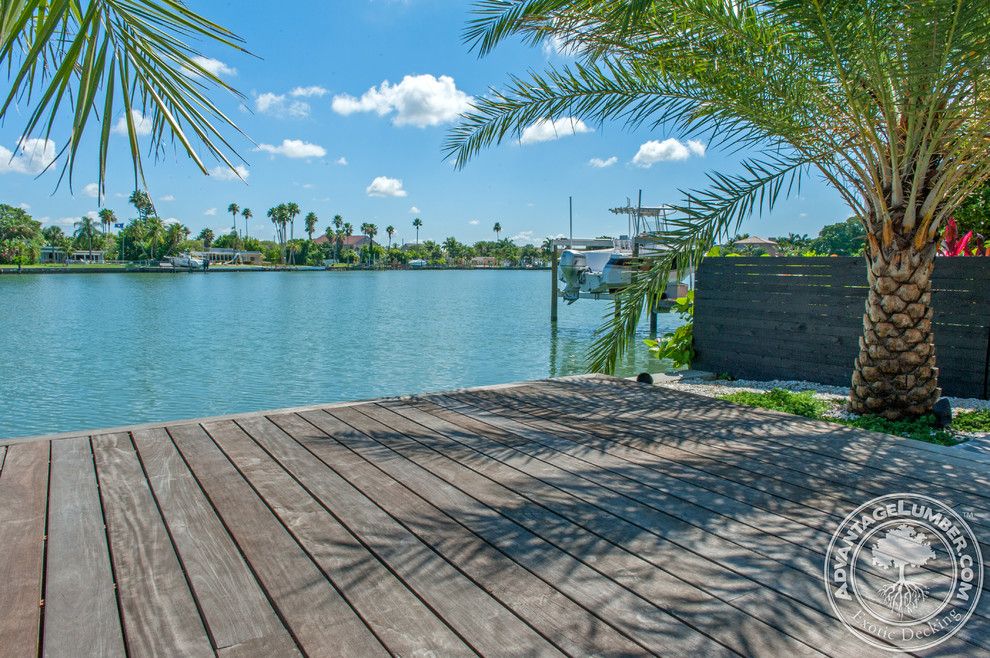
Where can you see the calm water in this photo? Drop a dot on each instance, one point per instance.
(98, 350)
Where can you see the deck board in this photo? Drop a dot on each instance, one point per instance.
(578, 516)
(78, 580)
(23, 503)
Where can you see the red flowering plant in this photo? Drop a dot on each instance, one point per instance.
(970, 244)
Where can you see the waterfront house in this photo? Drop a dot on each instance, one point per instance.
(53, 255)
(221, 255)
(355, 242)
(484, 261)
(85, 256)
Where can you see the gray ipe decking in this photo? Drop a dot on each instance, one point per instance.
(586, 516)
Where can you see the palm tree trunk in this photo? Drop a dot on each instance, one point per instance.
(895, 374)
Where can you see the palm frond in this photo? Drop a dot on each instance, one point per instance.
(706, 217)
(72, 63)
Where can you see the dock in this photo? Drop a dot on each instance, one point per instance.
(577, 516)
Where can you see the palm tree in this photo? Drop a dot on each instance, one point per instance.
(291, 210)
(54, 235)
(78, 63)
(234, 209)
(280, 218)
(371, 231)
(246, 214)
(417, 223)
(887, 102)
(391, 231)
(338, 223)
(86, 229)
(142, 203)
(498, 229)
(155, 232)
(107, 219)
(311, 220)
(206, 235)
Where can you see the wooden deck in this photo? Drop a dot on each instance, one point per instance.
(581, 516)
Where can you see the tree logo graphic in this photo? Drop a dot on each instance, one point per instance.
(903, 547)
(903, 572)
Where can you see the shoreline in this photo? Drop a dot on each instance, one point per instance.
(169, 270)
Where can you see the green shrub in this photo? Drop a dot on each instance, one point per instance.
(920, 429)
(972, 421)
(800, 404)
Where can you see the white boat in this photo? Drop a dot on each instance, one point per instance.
(417, 263)
(186, 261)
(601, 272)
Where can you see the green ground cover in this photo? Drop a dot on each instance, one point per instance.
(806, 404)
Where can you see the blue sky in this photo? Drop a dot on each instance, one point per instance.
(331, 54)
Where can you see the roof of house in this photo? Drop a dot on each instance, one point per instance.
(755, 240)
(349, 241)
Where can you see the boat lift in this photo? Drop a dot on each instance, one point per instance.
(640, 224)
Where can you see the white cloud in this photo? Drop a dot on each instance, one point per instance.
(31, 157)
(92, 189)
(210, 212)
(546, 130)
(65, 221)
(225, 173)
(385, 186)
(277, 105)
(668, 150)
(142, 124)
(214, 66)
(342, 161)
(170, 220)
(24, 206)
(308, 92)
(474, 222)
(525, 237)
(294, 148)
(167, 197)
(419, 100)
(414, 210)
(598, 163)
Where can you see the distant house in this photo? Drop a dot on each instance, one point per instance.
(354, 242)
(484, 261)
(84, 256)
(220, 255)
(766, 245)
(53, 255)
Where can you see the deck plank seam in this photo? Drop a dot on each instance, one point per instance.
(595, 533)
(223, 522)
(110, 549)
(388, 567)
(44, 557)
(552, 543)
(175, 547)
(330, 579)
(801, 546)
(469, 530)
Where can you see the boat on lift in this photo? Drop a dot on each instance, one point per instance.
(599, 272)
(186, 261)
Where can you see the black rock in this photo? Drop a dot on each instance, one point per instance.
(644, 378)
(943, 412)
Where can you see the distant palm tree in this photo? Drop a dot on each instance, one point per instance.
(174, 235)
(498, 229)
(348, 229)
(292, 209)
(85, 229)
(371, 231)
(417, 223)
(107, 219)
(155, 233)
(338, 224)
(206, 235)
(54, 235)
(246, 214)
(311, 220)
(391, 231)
(142, 203)
(234, 209)
(280, 218)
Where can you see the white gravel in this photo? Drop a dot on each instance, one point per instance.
(714, 388)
